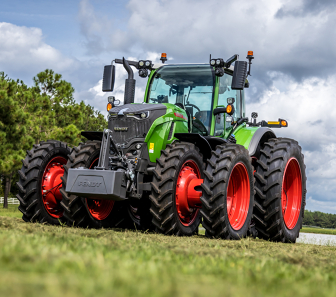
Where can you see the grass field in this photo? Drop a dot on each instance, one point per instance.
(319, 230)
(41, 260)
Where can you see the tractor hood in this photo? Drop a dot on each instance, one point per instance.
(136, 108)
(131, 121)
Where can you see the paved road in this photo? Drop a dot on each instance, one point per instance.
(319, 239)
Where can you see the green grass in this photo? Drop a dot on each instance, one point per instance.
(12, 211)
(318, 230)
(40, 260)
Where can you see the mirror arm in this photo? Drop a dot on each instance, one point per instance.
(219, 110)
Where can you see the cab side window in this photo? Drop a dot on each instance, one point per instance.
(223, 121)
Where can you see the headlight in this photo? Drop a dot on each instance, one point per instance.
(143, 115)
(213, 62)
(138, 146)
(147, 63)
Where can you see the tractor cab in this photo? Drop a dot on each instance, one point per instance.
(197, 89)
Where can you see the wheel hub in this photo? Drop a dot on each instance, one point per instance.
(51, 185)
(238, 196)
(187, 199)
(291, 194)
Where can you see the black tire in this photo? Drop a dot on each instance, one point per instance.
(139, 214)
(225, 161)
(30, 182)
(268, 214)
(76, 210)
(163, 199)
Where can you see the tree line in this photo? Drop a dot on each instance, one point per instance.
(319, 219)
(28, 115)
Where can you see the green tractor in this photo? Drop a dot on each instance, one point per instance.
(186, 156)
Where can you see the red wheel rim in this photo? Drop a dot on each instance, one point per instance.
(99, 209)
(291, 194)
(51, 185)
(238, 196)
(189, 171)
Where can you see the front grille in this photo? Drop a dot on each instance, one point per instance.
(135, 128)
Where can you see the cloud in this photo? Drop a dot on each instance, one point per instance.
(23, 51)
(304, 7)
(96, 97)
(190, 30)
(101, 32)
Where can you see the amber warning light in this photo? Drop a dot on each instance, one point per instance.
(163, 57)
(250, 53)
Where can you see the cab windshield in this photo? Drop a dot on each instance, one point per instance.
(188, 86)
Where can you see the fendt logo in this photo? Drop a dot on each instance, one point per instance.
(89, 184)
(121, 129)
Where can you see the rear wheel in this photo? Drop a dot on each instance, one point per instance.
(40, 182)
(83, 212)
(227, 200)
(280, 190)
(179, 168)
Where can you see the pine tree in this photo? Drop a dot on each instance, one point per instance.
(14, 122)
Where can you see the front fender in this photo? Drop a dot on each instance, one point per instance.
(250, 137)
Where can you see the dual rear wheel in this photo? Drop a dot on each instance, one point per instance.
(180, 178)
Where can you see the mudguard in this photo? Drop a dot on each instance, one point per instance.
(260, 136)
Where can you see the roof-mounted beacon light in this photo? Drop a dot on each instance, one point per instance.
(250, 58)
(163, 57)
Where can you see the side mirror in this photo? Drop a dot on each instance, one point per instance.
(108, 78)
(239, 75)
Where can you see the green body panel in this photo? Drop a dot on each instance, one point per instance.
(157, 136)
(244, 135)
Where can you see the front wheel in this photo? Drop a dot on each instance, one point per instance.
(228, 193)
(83, 212)
(178, 171)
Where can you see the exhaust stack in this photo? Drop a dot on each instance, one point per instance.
(129, 84)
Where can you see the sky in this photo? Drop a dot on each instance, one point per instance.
(293, 73)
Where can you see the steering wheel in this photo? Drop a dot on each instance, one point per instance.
(193, 105)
